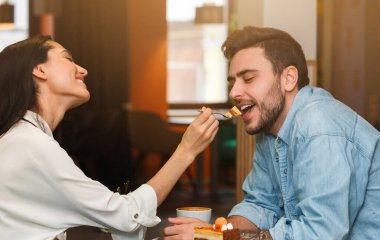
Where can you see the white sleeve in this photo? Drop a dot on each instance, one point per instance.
(83, 201)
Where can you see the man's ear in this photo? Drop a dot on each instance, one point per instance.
(38, 71)
(291, 78)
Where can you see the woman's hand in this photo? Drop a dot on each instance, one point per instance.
(199, 134)
(183, 228)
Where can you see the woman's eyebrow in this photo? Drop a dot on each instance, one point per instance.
(67, 51)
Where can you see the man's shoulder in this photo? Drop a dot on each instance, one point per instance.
(325, 115)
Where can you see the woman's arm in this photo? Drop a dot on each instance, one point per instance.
(196, 138)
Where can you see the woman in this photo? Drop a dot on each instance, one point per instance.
(42, 191)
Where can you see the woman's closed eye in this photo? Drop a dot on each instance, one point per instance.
(70, 59)
(67, 54)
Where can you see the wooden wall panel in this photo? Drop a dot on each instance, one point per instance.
(244, 155)
(147, 54)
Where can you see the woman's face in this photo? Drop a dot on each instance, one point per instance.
(62, 80)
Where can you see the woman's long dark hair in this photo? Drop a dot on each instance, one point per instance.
(18, 90)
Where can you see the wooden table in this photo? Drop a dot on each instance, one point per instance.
(244, 235)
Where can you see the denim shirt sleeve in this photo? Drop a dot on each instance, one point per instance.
(262, 203)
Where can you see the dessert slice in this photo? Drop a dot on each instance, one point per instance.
(233, 112)
(221, 230)
(203, 233)
(231, 234)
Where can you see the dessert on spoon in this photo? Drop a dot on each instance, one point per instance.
(233, 112)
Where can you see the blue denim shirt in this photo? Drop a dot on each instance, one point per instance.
(319, 178)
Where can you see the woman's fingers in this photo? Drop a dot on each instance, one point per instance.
(212, 128)
(198, 128)
(207, 121)
(205, 114)
(213, 131)
(201, 132)
(209, 127)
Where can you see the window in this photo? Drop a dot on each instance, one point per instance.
(21, 17)
(197, 69)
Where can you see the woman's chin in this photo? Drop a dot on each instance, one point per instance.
(80, 101)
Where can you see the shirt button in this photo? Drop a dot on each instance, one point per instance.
(136, 216)
(285, 171)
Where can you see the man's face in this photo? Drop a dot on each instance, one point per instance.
(255, 89)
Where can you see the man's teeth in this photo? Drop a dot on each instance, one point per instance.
(245, 107)
(80, 80)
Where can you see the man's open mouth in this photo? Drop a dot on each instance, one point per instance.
(246, 108)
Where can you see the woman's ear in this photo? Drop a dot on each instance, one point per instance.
(291, 78)
(38, 72)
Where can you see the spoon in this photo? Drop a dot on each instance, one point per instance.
(233, 112)
(217, 113)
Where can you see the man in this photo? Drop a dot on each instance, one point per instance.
(316, 168)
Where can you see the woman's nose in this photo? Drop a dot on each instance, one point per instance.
(82, 71)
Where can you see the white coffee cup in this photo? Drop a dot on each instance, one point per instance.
(202, 213)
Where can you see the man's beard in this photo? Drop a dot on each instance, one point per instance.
(270, 108)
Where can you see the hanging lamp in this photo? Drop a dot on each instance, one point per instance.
(7, 16)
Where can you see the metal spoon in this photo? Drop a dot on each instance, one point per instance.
(217, 113)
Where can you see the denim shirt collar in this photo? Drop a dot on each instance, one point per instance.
(304, 95)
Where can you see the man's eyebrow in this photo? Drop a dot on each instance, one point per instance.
(246, 71)
(230, 78)
(241, 73)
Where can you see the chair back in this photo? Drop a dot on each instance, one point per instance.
(149, 133)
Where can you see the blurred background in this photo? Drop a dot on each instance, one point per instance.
(153, 64)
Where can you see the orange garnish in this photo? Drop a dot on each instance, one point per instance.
(219, 222)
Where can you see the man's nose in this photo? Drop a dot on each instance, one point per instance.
(236, 90)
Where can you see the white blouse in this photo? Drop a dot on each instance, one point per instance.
(42, 191)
